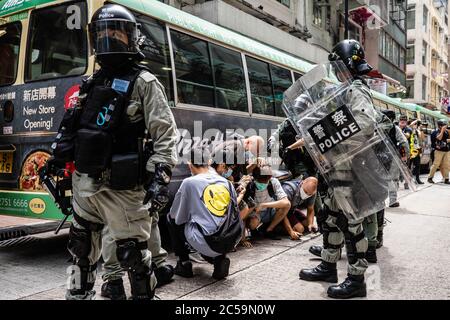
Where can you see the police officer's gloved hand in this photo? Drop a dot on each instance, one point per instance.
(157, 190)
(52, 166)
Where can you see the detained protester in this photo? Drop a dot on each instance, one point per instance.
(440, 140)
(105, 136)
(272, 204)
(205, 216)
(357, 172)
(246, 150)
(301, 194)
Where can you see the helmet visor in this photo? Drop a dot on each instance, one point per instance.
(113, 36)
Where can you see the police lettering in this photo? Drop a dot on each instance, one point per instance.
(339, 136)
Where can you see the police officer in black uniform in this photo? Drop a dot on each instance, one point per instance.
(118, 181)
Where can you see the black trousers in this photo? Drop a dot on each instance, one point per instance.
(178, 239)
(415, 166)
(180, 244)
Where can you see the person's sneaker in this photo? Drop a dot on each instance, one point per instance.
(418, 181)
(325, 271)
(113, 290)
(221, 267)
(184, 269)
(352, 287)
(396, 204)
(447, 181)
(164, 275)
(430, 180)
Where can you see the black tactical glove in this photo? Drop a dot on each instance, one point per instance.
(157, 190)
(52, 166)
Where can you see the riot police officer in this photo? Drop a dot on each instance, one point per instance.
(337, 227)
(117, 182)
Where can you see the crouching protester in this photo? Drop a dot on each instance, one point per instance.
(205, 215)
(301, 194)
(271, 204)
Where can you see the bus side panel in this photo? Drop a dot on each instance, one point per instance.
(38, 109)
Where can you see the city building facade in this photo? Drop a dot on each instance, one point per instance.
(427, 52)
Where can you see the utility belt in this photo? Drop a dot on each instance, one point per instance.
(122, 171)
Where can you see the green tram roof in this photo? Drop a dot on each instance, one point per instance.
(197, 25)
(8, 7)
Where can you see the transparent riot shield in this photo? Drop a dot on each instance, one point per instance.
(347, 139)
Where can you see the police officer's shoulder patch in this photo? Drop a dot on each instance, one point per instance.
(147, 76)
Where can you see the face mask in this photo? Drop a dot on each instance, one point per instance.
(304, 195)
(227, 174)
(261, 186)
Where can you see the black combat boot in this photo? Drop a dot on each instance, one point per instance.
(164, 275)
(371, 254)
(317, 251)
(325, 271)
(352, 287)
(184, 269)
(114, 290)
(379, 239)
(221, 267)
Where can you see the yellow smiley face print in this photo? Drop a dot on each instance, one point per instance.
(216, 198)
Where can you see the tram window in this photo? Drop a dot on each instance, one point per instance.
(229, 80)
(260, 86)
(193, 70)
(297, 76)
(54, 49)
(156, 51)
(281, 81)
(9, 47)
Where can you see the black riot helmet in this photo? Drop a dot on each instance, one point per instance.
(114, 35)
(352, 54)
(390, 114)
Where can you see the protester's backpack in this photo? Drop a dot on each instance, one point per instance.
(229, 232)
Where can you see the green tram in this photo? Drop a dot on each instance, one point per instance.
(214, 79)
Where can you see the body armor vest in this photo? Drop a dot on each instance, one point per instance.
(104, 129)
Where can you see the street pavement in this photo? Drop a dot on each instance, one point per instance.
(413, 263)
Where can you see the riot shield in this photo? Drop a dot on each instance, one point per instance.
(347, 139)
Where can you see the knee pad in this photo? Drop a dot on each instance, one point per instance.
(130, 258)
(129, 253)
(321, 217)
(79, 242)
(351, 244)
(82, 279)
(342, 222)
